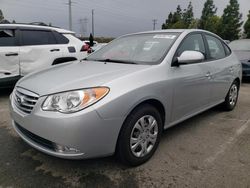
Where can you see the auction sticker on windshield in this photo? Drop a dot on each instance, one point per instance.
(164, 36)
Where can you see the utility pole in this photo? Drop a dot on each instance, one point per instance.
(93, 29)
(70, 15)
(154, 23)
(84, 26)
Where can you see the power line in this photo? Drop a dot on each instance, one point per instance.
(112, 11)
(119, 16)
(154, 23)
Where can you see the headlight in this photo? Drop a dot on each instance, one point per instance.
(73, 101)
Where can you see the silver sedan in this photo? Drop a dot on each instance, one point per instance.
(121, 98)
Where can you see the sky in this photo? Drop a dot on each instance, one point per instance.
(112, 18)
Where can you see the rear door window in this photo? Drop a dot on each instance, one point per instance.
(60, 38)
(215, 47)
(33, 37)
(8, 38)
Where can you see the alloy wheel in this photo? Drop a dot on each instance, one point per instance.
(143, 136)
(233, 94)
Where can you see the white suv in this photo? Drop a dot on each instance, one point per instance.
(28, 48)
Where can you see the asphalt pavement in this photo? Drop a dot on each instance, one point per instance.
(209, 150)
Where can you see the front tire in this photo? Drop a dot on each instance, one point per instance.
(232, 97)
(140, 135)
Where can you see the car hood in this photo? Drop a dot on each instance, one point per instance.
(71, 76)
(243, 56)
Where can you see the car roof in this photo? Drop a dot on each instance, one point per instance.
(37, 27)
(172, 31)
(164, 31)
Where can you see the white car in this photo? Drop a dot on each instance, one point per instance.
(28, 48)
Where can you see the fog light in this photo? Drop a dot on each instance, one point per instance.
(59, 148)
(65, 149)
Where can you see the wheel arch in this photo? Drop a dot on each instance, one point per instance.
(154, 102)
(157, 104)
(238, 81)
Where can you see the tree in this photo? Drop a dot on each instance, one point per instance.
(168, 23)
(2, 20)
(247, 27)
(209, 11)
(177, 16)
(188, 15)
(179, 25)
(174, 19)
(194, 24)
(179, 19)
(231, 23)
(213, 24)
(1, 16)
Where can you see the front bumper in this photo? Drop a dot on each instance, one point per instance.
(86, 132)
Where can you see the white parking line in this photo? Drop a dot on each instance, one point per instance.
(225, 145)
(242, 128)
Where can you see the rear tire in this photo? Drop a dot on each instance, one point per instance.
(140, 135)
(232, 97)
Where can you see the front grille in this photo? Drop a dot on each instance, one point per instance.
(37, 139)
(24, 100)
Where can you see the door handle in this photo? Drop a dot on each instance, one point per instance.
(11, 54)
(5, 72)
(55, 50)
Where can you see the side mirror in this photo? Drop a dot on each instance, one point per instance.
(189, 57)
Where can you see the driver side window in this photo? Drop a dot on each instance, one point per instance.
(193, 42)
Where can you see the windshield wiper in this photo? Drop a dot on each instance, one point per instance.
(115, 61)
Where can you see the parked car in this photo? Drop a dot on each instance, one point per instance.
(121, 98)
(28, 48)
(242, 50)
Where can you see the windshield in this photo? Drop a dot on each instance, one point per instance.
(148, 49)
(240, 45)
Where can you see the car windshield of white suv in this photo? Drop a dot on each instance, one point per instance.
(240, 45)
(147, 49)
